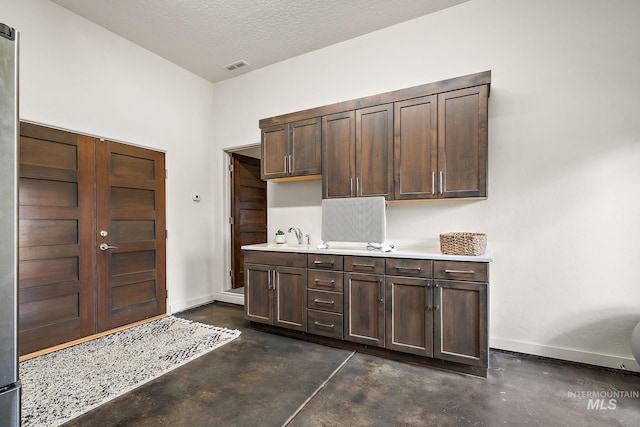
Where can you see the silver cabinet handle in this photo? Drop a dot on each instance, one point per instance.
(363, 265)
(104, 247)
(441, 182)
(324, 325)
(323, 262)
(329, 284)
(285, 164)
(290, 163)
(351, 187)
(433, 182)
(269, 280)
(409, 268)
(358, 189)
(323, 301)
(459, 271)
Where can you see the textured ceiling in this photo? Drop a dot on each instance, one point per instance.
(203, 36)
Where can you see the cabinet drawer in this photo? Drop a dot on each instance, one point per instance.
(325, 262)
(323, 300)
(461, 270)
(364, 264)
(286, 259)
(323, 323)
(408, 267)
(324, 280)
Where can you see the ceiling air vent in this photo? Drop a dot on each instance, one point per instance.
(236, 65)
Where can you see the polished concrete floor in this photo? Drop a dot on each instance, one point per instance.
(262, 379)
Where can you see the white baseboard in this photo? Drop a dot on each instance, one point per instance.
(178, 306)
(605, 360)
(230, 297)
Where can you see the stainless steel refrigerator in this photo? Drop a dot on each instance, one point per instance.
(9, 380)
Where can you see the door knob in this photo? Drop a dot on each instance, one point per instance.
(104, 247)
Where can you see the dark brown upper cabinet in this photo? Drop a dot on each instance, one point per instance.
(357, 151)
(462, 143)
(424, 142)
(292, 150)
(416, 148)
(440, 145)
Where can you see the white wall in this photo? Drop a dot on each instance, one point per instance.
(563, 212)
(77, 76)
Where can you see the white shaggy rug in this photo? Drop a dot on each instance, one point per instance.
(62, 385)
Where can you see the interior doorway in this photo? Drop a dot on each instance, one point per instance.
(248, 209)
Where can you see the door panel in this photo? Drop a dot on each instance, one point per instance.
(258, 305)
(374, 151)
(364, 309)
(416, 148)
(130, 208)
(338, 155)
(462, 142)
(56, 237)
(460, 326)
(249, 207)
(291, 299)
(275, 149)
(409, 319)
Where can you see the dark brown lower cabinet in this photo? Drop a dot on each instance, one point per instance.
(409, 315)
(437, 309)
(364, 308)
(276, 294)
(460, 322)
(446, 320)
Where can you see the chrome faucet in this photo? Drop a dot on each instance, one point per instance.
(298, 234)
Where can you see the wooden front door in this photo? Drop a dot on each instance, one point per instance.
(130, 238)
(249, 207)
(72, 187)
(56, 238)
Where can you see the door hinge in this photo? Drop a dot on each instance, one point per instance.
(166, 234)
(230, 167)
(166, 174)
(166, 293)
(231, 220)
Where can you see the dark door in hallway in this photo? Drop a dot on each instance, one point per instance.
(131, 235)
(56, 229)
(249, 207)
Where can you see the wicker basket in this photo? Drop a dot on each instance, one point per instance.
(463, 243)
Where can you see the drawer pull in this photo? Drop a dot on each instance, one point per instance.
(323, 301)
(459, 271)
(329, 283)
(409, 268)
(316, 262)
(324, 325)
(363, 265)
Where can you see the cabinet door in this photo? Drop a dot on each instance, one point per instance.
(364, 309)
(374, 151)
(416, 148)
(304, 148)
(291, 298)
(275, 151)
(338, 155)
(258, 298)
(462, 143)
(409, 315)
(460, 322)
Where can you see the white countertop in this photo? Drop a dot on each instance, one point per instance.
(360, 249)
